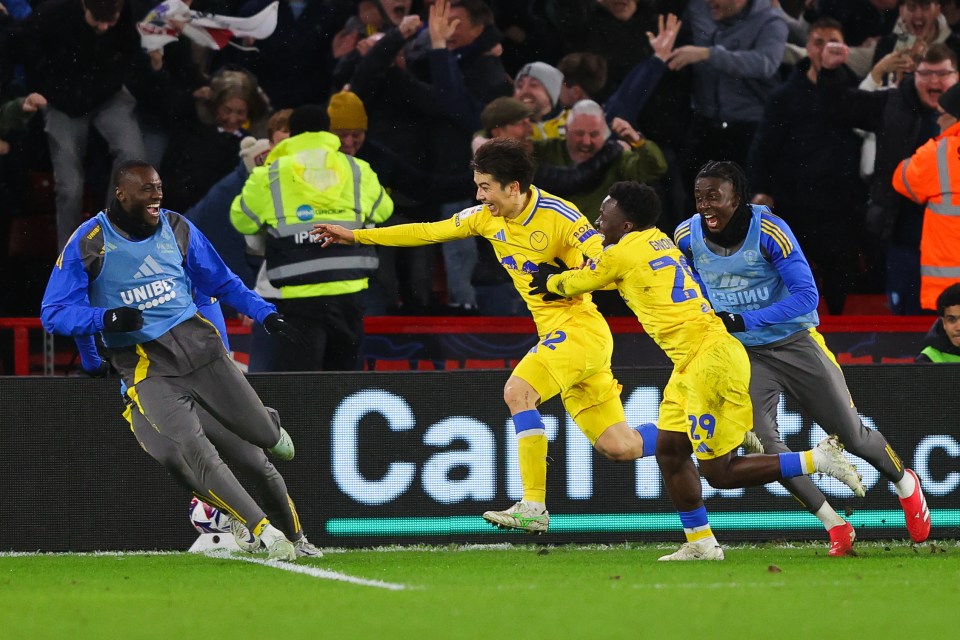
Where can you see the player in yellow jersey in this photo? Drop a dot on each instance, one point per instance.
(527, 226)
(706, 406)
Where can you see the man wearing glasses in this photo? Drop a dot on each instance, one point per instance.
(903, 118)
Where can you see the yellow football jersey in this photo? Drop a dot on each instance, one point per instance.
(654, 280)
(548, 228)
(555, 127)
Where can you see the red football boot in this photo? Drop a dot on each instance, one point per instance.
(916, 513)
(842, 537)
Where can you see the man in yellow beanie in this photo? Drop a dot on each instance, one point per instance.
(348, 121)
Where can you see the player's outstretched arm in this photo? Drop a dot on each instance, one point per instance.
(601, 274)
(327, 234)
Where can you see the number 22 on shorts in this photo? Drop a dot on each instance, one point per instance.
(550, 341)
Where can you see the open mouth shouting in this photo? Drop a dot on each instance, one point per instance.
(711, 220)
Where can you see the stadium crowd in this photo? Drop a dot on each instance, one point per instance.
(824, 102)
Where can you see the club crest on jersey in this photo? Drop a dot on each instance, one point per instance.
(539, 241)
(519, 262)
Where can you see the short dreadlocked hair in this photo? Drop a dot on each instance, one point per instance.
(731, 172)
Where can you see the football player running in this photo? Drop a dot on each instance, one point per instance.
(750, 266)
(706, 408)
(526, 226)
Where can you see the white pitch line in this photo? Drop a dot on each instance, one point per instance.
(323, 574)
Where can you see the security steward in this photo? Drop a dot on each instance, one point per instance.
(306, 179)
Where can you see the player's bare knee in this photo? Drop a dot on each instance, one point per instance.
(616, 450)
(519, 396)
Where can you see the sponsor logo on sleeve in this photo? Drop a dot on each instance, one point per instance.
(582, 234)
(466, 213)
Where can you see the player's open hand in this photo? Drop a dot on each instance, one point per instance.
(327, 234)
(538, 284)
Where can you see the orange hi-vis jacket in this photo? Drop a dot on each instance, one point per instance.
(931, 177)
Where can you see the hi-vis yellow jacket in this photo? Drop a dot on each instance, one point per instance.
(305, 180)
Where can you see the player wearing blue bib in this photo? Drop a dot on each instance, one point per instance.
(249, 459)
(129, 274)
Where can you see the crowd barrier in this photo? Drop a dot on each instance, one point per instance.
(416, 457)
(433, 343)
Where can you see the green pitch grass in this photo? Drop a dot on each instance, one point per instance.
(889, 590)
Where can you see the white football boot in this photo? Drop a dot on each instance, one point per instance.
(283, 450)
(751, 443)
(278, 547)
(244, 539)
(828, 459)
(520, 516)
(695, 551)
(305, 549)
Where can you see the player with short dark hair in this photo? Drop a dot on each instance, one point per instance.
(706, 406)
(527, 226)
(128, 274)
(754, 272)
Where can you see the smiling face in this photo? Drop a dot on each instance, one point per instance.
(932, 79)
(500, 200)
(716, 202)
(231, 114)
(585, 136)
(920, 18)
(612, 223)
(951, 324)
(140, 193)
(532, 93)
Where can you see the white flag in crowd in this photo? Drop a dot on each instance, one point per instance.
(168, 20)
